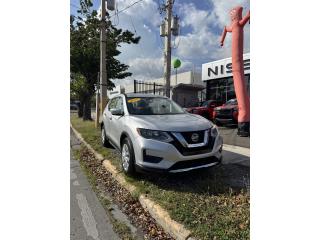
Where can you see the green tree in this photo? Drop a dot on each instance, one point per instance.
(85, 54)
(78, 89)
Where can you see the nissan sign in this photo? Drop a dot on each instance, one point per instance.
(223, 68)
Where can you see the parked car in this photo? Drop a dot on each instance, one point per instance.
(154, 133)
(227, 113)
(74, 107)
(205, 109)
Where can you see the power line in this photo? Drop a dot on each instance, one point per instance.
(133, 25)
(117, 12)
(129, 6)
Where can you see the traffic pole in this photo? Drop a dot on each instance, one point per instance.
(97, 102)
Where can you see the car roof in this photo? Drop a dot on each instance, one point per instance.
(143, 95)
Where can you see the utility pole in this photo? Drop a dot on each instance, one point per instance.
(167, 53)
(97, 102)
(103, 68)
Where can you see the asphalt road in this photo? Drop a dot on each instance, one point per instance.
(88, 219)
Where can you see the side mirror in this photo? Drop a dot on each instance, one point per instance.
(118, 112)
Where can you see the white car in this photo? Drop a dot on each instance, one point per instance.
(154, 133)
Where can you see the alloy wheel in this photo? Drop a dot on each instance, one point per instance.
(125, 157)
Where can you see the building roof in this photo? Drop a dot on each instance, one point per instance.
(189, 86)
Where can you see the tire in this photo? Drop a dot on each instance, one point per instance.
(127, 157)
(104, 139)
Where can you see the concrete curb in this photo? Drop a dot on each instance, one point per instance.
(236, 149)
(97, 155)
(162, 217)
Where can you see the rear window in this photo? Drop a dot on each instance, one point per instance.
(232, 102)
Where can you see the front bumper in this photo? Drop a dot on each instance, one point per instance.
(183, 166)
(225, 120)
(152, 155)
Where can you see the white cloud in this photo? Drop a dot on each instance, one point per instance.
(146, 68)
(222, 8)
(202, 44)
(146, 10)
(152, 68)
(146, 27)
(196, 18)
(197, 46)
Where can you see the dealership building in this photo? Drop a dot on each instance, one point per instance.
(219, 79)
(189, 88)
(186, 88)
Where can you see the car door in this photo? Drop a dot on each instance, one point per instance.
(116, 122)
(107, 115)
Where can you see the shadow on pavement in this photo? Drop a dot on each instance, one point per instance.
(235, 158)
(231, 174)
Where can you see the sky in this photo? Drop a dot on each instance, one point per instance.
(201, 25)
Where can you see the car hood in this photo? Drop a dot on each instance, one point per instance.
(173, 123)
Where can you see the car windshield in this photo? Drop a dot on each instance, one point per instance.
(232, 102)
(152, 106)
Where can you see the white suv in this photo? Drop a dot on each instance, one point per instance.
(154, 133)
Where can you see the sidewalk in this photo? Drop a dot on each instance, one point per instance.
(231, 137)
(236, 155)
(88, 219)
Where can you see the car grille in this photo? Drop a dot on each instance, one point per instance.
(187, 136)
(195, 150)
(224, 112)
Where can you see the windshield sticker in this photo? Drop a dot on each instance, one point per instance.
(133, 100)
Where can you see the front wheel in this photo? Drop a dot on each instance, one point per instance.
(127, 157)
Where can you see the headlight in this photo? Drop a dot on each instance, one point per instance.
(155, 135)
(214, 132)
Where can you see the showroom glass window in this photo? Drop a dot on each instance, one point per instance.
(222, 89)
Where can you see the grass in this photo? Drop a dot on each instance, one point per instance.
(207, 202)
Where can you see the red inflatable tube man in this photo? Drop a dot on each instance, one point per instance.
(236, 28)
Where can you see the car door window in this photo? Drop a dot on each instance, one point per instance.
(113, 103)
(119, 104)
